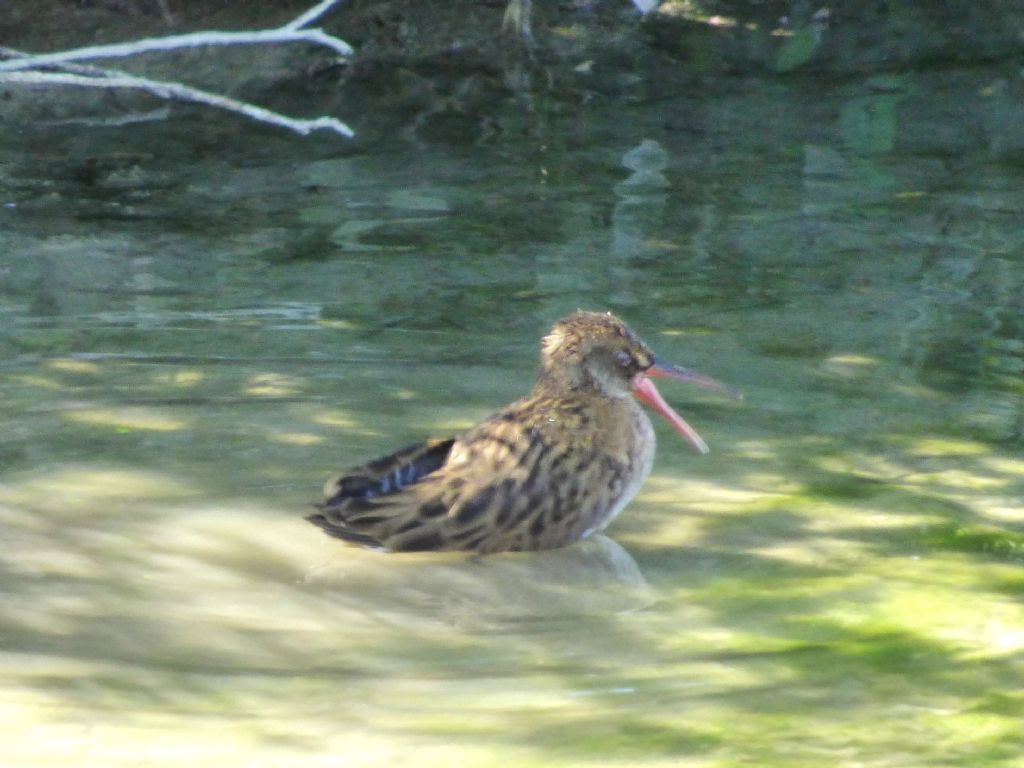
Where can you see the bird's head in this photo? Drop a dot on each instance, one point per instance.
(598, 352)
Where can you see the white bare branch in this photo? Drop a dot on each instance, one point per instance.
(190, 40)
(311, 15)
(167, 90)
(60, 67)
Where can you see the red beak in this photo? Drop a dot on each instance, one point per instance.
(647, 393)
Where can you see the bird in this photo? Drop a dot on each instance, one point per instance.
(544, 472)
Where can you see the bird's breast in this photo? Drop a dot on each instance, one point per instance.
(638, 458)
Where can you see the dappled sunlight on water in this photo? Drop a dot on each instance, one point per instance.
(739, 610)
(839, 582)
(818, 586)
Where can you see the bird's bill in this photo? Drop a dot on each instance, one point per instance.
(662, 370)
(647, 393)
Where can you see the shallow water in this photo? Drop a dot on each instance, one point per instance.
(193, 343)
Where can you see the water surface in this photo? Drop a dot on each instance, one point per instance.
(193, 341)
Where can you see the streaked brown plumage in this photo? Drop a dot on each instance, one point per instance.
(545, 471)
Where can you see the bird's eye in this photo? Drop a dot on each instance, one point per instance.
(625, 358)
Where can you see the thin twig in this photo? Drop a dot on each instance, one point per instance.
(311, 15)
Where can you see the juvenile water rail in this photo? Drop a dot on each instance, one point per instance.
(543, 472)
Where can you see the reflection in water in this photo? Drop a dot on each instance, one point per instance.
(637, 217)
(595, 577)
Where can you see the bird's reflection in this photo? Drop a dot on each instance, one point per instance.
(596, 576)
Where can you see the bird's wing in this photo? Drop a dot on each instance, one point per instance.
(389, 474)
(359, 503)
(509, 483)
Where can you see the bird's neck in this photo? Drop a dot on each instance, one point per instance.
(574, 382)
